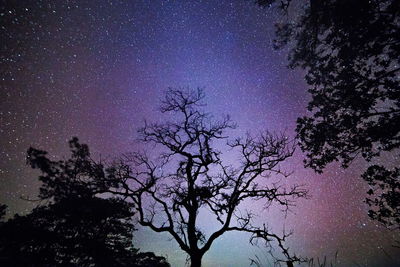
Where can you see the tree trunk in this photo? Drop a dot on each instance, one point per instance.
(195, 260)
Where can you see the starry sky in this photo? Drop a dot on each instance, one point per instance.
(97, 69)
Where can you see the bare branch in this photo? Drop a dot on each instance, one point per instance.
(189, 176)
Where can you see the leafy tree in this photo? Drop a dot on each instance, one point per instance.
(2, 211)
(189, 175)
(76, 227)
(387, 203)
(350, 50)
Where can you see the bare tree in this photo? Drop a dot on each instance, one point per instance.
(189, 175)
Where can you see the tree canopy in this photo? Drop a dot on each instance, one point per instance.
(350, 50)
(2, 211)
(73, 225)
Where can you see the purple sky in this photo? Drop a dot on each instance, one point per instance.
(96, 70)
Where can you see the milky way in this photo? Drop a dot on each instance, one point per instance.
(96, 70)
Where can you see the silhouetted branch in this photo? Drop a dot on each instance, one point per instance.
(189, 175)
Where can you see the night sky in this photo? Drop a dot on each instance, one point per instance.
(97, 69)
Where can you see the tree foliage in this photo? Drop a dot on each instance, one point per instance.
(350, 50)
(385, 185)
(73, 226)
(3, 209)
(189, 175)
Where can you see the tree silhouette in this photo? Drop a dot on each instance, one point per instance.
(75, 227)
(2, 211)
(189, 176)
(350, 50)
